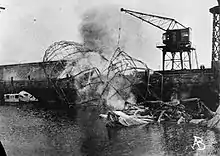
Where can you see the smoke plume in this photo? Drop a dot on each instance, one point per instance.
(103, 28)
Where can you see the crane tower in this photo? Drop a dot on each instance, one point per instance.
(215, 37)
(216, 45)
(177, 46)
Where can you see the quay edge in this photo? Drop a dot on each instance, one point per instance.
(31, 77)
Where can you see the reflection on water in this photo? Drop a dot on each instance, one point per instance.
(29, 131)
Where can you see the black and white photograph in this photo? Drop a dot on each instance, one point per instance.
(109, 78)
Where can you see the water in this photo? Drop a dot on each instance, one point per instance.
(26, 131)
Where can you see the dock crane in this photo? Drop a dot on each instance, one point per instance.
(177, 46)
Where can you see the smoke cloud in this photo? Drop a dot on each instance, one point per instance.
(103, 28)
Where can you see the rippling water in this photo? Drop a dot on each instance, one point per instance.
(26, 131)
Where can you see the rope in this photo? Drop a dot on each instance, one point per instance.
(119, 30)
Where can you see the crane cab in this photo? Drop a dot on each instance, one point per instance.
(177, 39)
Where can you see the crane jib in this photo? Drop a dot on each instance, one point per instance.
(163, 23)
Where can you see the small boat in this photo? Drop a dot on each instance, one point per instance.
(22, 96)
(11, 98)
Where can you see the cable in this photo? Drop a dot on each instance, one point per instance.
(119, 31)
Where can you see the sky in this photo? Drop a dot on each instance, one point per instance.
(29, 27)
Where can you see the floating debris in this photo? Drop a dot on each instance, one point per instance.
(187, 111)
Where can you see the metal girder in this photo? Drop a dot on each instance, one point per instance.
(216, 38)
(216, 46)
(177, 60)
(163, 23)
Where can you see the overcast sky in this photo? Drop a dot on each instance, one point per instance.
(29, 27)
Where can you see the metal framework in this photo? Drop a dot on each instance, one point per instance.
(216, 45)
(215, 35)
(92, 76)
(163, 23)
(177, 60)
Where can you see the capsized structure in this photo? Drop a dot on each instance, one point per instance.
(90, 75)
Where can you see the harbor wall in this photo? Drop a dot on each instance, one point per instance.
(31, 77)
(26, 71)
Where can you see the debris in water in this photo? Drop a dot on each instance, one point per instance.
(157, 111)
